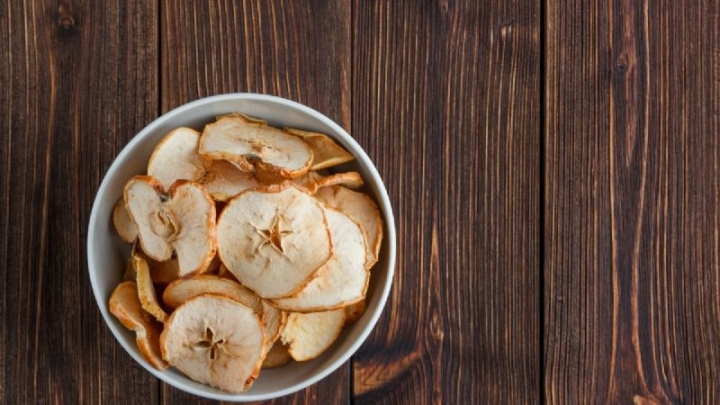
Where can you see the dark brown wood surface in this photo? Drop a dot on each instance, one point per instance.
(632, 273)
(553, 168)
(445, 100)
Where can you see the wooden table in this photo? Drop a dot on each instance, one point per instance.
(553, 167)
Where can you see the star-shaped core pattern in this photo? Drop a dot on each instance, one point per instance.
(274, 235)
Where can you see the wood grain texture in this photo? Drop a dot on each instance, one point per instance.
(445, 101)
(294, 49)
(632, 289)
(608, 212)
(77, 82)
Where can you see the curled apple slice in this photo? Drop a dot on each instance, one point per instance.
(176, 157)
(351, 180)
(353, 312)
(277, 356)
(273, 321)
(326, 152)
(256, 146)
(125, 305)
(314, 181)
(308, 335)
(124, 225)
(183, 290)
(343, 280)
(360, 208)
(182, 221)
(146, 289)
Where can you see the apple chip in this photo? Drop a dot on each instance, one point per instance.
(268, 179)
(308, 335)
(273, 321)
(124, 225)
(163, 273)
(255, 146)
(353, 312)
(215, 340)
(130, 269)
(214, 266)
(360, 208)
(326, 152)
(182, 222)
(313, 181)
(125, 305)
(224, 181)
(277, 356)
(223, 271)
(176, 157)
(351, 180)
(274, 239)
(183, 290)
(146, 289)
(343, 280)
(307, 181)
(130, 274)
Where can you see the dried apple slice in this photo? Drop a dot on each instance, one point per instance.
(353, 312)
(130, 274)
(326, 152)
(255, 146)
(277, 356)
(360, 208)
(274, 239)
(224, 181)
(273, 321)
(351, 180)
(343, 280)
(125, 305)
(146, 289)
(268, 179)
(163, 273)
(183, 290)
(183, 222)
(307, 181)
(223, 271)
(308, 335)
(215, 340)
(176, 157)
(313, 181)
(124, 225)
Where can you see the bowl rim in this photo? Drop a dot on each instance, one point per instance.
(389, 241)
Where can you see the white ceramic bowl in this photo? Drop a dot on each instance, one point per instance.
(107, 254)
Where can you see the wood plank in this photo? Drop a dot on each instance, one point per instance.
(632, 291)
(446, 101)
(260, 46)
(298, 50)
(78, 81)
